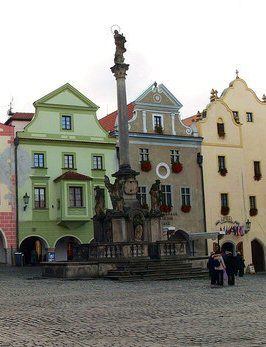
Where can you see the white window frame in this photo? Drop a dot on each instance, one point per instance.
(145, 152)
(190, 194)
(153, 120)
(146, 193)
(171, 191)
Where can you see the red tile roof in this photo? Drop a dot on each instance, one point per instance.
(71, 175)
(108, 122)
(188, 121)
(23, 116)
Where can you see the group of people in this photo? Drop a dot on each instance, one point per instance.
(223, 267)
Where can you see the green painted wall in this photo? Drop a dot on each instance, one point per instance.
(44, 134)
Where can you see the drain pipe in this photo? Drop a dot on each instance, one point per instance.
(200, 161)
(16, 143)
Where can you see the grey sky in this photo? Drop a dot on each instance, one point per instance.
(189, 45)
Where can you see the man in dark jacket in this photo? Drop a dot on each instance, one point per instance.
(212, 272)
(230, 263)
(240, 265)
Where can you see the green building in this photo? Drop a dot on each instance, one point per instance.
(62, 155)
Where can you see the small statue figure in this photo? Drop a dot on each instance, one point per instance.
(139, 232)
(156, 196)
(99, 201)
(120, 47)
(116, 193)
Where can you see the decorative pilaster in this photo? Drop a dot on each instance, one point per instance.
(144, 120)
(173, 123)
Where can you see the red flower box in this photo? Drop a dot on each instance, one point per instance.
(185, 208)
(253, 212)
(225, 210)
(165, 208)
(177, 167)
(257, 177)
(223, 172)
(145, 166)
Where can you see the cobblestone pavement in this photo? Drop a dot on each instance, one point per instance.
(41, 312)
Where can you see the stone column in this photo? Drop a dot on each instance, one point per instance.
(119, 71)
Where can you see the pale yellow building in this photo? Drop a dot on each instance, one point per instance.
(233, 127)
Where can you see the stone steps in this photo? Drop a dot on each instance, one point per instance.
(156, 270)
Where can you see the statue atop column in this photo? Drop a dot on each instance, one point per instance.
(156, 196)
(120, 41)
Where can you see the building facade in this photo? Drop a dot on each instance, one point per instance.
(163, 148)
(62, 155)
(233, 130)
(8, 241)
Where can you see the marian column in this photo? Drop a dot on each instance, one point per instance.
(119, 70)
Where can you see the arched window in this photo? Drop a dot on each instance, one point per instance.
(220, 127)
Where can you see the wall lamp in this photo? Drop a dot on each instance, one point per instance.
(26, 200)
(247, 226)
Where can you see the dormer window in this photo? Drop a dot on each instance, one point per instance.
(66, 122)
(220, 128)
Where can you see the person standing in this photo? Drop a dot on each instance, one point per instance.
(219, 267)
(210, 266)
(240, 265)
(230, 264)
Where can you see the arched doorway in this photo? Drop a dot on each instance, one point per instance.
(228, 247)
(64, 248)
(258, 259)
(3, 247)
(34, 249)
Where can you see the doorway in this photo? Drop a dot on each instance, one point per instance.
(64, 248)
(34, 249)
(258, 259)
(2, 249)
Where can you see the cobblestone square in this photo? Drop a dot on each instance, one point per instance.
(42, 312)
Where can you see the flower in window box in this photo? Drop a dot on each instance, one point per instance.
(185, 208)
(165, 208)
(158, 129)
(253, 212)
(177, 167)
(145, 165)
(225, 210)
(257, 177)
(223, 171)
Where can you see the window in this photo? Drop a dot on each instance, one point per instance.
(224, 200)
(144, 154)
(174, 156)
(157, 121)
(38, 159)
(257, 171)
(221, 162)
(75, 197)
(220, 129)
(68, 161)
(97, 162)
(142, 195)
(166, 195)
(66, 123)
(185, 197)
(236, 116)
(252, 202)
(39, 197)
(249, 116)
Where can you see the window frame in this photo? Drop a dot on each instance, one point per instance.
(249, 117)
(143, 155)
(157, 115)
(221, 160)
(142, 194)
(101, 166)
(174, 156)
(70, 116)
(64, 161)
(257, 168)
(166, 195)
(36, 153)
(38, 205)
(185, 197)
(226, 196)
(252, 202)
(74, 188)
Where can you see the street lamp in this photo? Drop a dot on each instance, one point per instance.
(247, 226)
(26, 200)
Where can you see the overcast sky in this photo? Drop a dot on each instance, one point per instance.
(190, 46)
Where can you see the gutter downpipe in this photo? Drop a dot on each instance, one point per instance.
(16, 143)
